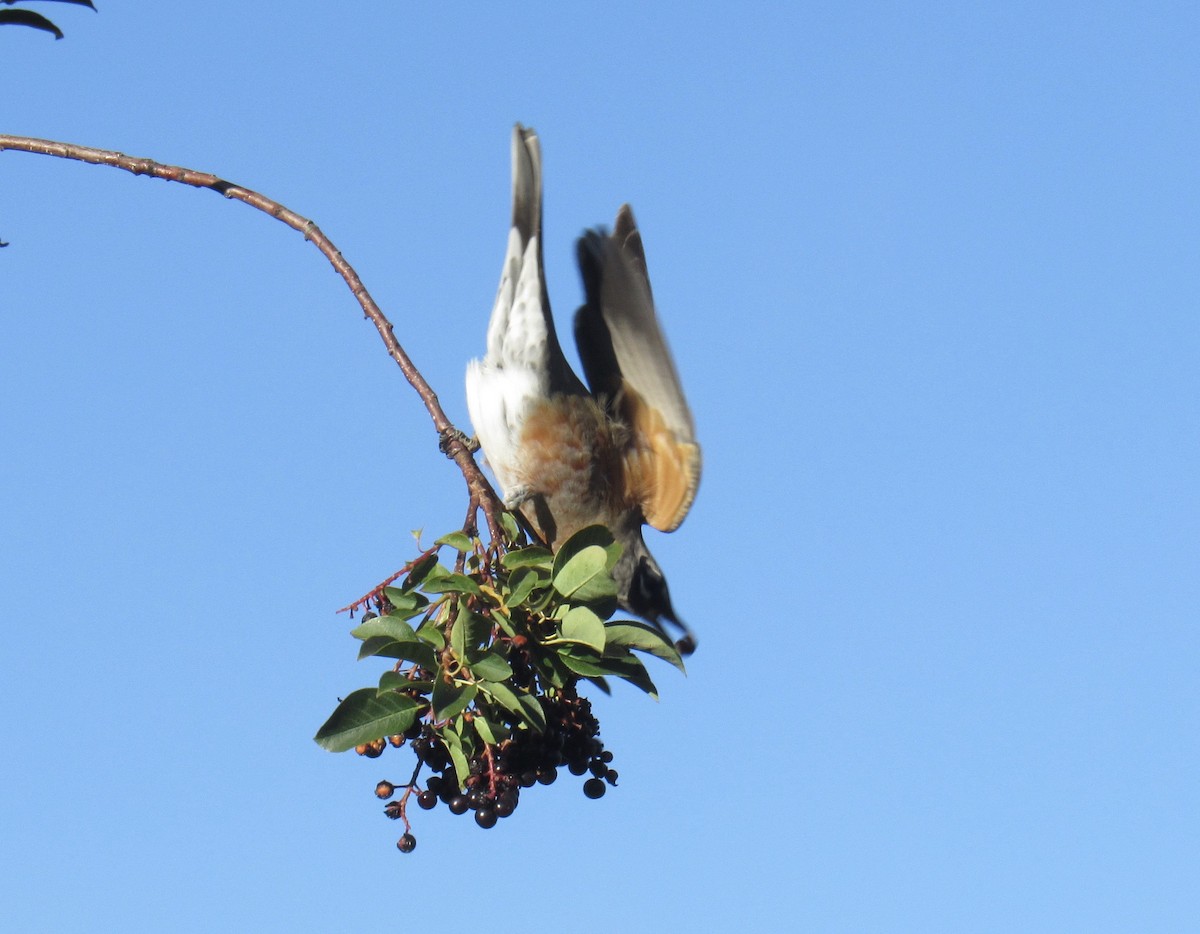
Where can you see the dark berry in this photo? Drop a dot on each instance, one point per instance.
(598, 768)
(577, 766)
(485, 818)
(459, 804)
(547, 776)
(594, 788)
(612, 776)
(407, 843)
(506, 804)
(428, 800)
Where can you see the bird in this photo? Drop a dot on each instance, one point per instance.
(620, 451)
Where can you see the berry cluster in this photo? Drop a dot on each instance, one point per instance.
(571, 739)
(498, 773)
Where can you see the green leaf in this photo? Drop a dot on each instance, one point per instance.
(392, 681)
(522, 705)
(584, 572)
(462, 768)
(468, 633)
(627, 668)
(533, 556)
(415, 651)
(644, 638)
(551, 671)
(449, 699)
(398, 681)
(459, 541)
(532, 712)
(586, 576)
(512, 530)
(631, 669)
(435, 572)
(581, 664)
(521, 585)
(430, 632)
(420, 571)
(484, 729)
(405, 603)
(605, 606)
(389, 625)
(366, 716)
(452, 583)
(542, 601)
(582, 625)
(503, 695)
(491, 667)
(504, 621)
(593, 536)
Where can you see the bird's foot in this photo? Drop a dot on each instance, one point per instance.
(517, 497)
(447, 437)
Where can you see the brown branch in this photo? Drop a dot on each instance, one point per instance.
(451, 440)
(376, 593)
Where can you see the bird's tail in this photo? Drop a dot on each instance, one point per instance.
(521, 333)
(526, 183)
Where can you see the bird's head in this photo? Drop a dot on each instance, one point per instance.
(642, 589)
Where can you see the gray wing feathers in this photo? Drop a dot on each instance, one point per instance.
(617, 329)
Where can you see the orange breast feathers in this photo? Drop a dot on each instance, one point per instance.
(571, 455)
(590, 468)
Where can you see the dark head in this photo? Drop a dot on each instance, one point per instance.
(642, 590)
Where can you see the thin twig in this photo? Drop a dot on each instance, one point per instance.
(377, 591)
(451, 440)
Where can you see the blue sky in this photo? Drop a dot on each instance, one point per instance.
(930, 276)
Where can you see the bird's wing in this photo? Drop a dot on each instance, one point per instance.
(629, 367)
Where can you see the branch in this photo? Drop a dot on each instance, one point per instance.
(452, 441)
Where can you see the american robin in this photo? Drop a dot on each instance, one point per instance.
(621, 453)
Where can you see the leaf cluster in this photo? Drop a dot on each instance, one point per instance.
(477, 646)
